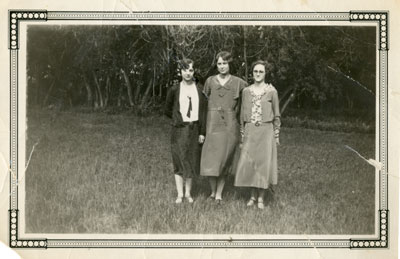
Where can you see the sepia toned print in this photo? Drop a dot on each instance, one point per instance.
(98, 145)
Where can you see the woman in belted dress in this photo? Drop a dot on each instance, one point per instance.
(260, 119)
(221, 144)
(186, 105)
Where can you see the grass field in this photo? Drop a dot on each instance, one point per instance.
(102, 173)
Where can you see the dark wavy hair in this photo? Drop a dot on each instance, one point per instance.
(267, 67)
(185, 63)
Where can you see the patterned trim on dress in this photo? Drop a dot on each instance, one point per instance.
(256, 110)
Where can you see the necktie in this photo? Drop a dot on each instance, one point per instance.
(190, 107)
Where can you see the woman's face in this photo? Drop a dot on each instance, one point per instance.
(259, 73)
(223, 66)
(187, 74)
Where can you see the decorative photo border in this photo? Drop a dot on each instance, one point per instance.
(380, 18)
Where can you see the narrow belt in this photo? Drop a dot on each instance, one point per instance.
(259, 123)
(220, 109)
(190, 122)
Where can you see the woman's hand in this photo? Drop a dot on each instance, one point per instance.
(201, 139)
(277, 141)
(241, 134)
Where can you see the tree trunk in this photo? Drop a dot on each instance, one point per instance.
(349, 102)
(128, 87)
(168, 58)
(145, 98)
(245, 52)
(89, 98)
(96, 99)
(48, 93)
(137, 92)
(38, 90)
(99, 94)
(119, 101)
(107, 97)
(154, 79)
(160, 91)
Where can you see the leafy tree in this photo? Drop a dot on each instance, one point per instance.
(132, 66)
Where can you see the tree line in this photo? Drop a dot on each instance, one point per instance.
(133, 66)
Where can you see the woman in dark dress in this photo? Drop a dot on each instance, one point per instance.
(186, 106)
(223, 92)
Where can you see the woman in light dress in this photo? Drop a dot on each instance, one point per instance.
(260, 124)
(222, 142)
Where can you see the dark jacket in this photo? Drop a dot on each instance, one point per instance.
(172, 110)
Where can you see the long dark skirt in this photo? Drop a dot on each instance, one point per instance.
(185, 150)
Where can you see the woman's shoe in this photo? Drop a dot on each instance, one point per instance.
(260, 205)
(211, 197)
(189, 199)
(178, 200)
(251, 202)
(218, 201)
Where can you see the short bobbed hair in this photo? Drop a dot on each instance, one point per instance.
(267, 67)
(185, 63)
(225, 55)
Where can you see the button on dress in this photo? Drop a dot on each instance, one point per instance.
(257, 166)
(222, 132)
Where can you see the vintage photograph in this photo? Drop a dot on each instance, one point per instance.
(201, 129)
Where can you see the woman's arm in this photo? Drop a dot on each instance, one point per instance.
(242, 110)
(169, 102)
(277, 115)
(242, 104)
(203, 100)
(207, 88)
(202, 113)
(239, 96)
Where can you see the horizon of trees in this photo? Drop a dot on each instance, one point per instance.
(323, 67)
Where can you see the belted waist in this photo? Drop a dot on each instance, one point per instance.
(190, 122)
(220, 109)
(259, 123)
